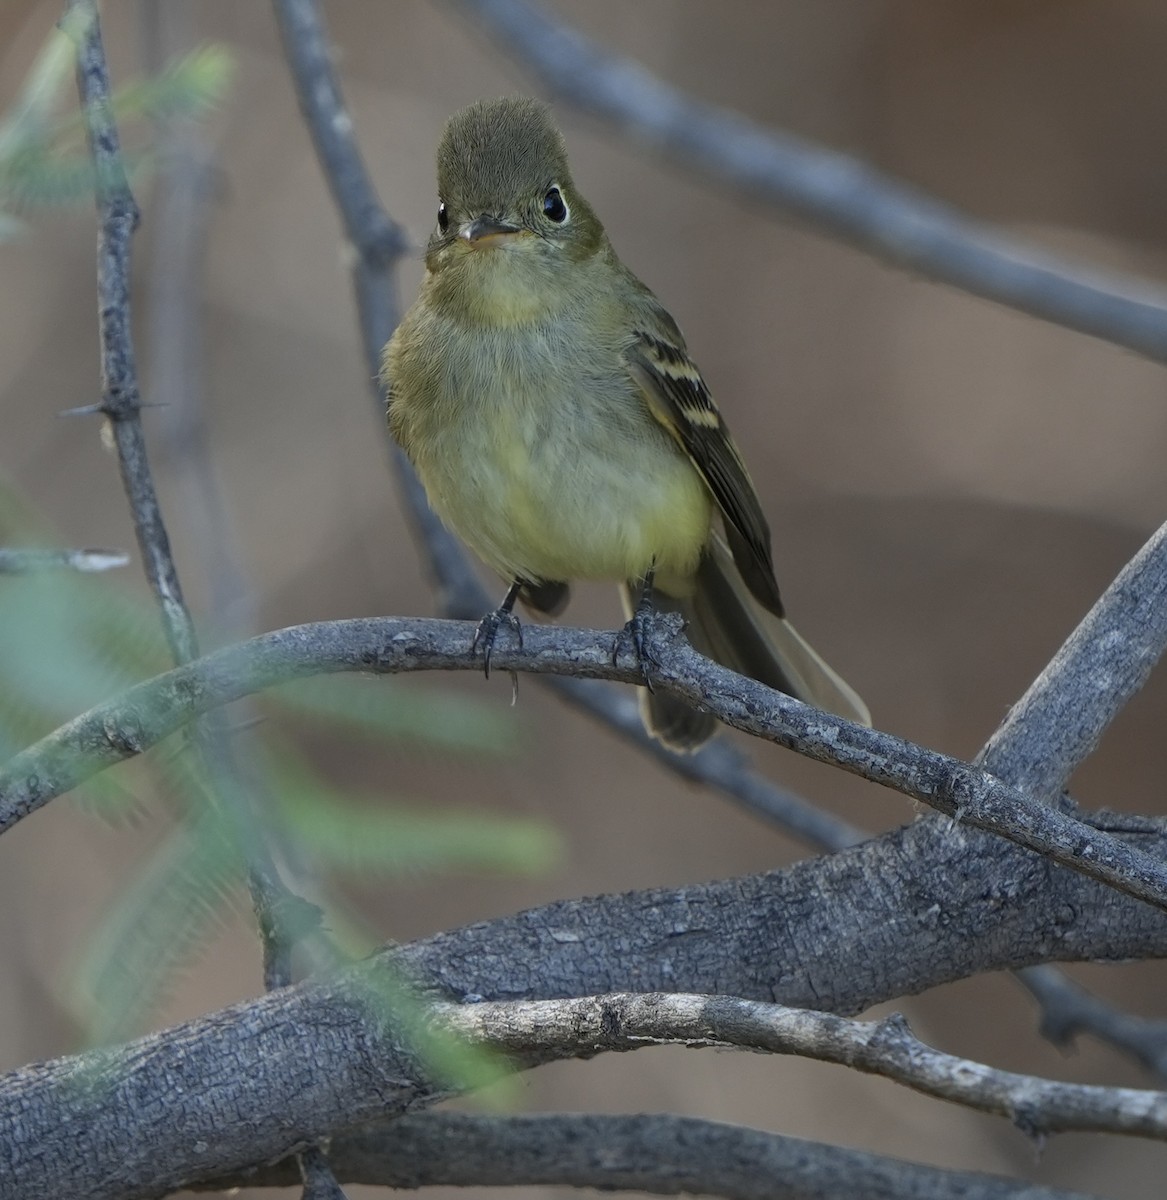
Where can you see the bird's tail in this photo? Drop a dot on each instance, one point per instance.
(728, 625)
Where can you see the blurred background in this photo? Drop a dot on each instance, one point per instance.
(951, 484)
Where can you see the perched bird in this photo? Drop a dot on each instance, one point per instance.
(560, 429)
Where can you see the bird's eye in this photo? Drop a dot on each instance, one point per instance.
(443, 217)
(554, 206)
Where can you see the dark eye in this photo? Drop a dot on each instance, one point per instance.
(443, 217)
(554, 206)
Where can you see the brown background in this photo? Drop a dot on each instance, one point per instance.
(951, 484)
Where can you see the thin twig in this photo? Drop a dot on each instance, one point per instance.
(185, 188)
(317, 1176)
(1068, 1009)
(23, 561)
(131, 722)
(662, 1154)
(840, 195)
(118, 218)
(718, 764)
(540, 1031)
(379, 244)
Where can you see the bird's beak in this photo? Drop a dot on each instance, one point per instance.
(484, 228)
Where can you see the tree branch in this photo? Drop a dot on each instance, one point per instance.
(118, 218)
(1051, 731)
(1059, 721)
(534, 1032)
(842, 196)
(144, 714)
(307, 1061)
(665, 1155)
(121, 403)
(1067, 1010)
(718, 764)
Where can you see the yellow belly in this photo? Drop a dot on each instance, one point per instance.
(565, 507)
(550, 476)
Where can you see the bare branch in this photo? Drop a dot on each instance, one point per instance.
(141, 716)
(118, 218)
(308, 1061)
(662, 1154)
(539, 1031)
(839, 195)
(1051, 730)
(318, 1177)
(309, 55)
(1067, 1010)
(379, 243)
(23, 561)
(121, 403)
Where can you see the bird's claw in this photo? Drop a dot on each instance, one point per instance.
(636, 638)
(487, 631)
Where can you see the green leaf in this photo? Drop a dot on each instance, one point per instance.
(382, 708)
(156, 926)
(68, 640)
(186, 87)
(30, 115)
(44, 160)
(380, 838)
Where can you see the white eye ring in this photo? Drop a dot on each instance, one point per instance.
(555, 207)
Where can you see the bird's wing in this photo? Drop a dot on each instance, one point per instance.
(678, 398)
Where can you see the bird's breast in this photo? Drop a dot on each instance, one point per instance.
(536, 448)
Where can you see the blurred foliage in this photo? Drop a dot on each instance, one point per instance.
(44, 160)
(69, 640)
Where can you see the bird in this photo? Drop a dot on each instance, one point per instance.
(560, 428)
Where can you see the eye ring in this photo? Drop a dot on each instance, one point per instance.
(554, 206)
(443, 217)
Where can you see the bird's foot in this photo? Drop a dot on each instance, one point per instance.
(487, 632)
(488, 627)
(637, 635)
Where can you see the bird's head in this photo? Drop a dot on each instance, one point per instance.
(507, 203)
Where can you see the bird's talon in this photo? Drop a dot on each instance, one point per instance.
(636, 638)
(487, 632)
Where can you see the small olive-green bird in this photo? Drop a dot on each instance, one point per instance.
(560, 428)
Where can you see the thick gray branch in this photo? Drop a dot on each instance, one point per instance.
(662, 1154)
(1052, 729)
(842, 196)
(922, 906)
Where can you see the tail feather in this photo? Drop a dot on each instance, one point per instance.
(729, 626)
